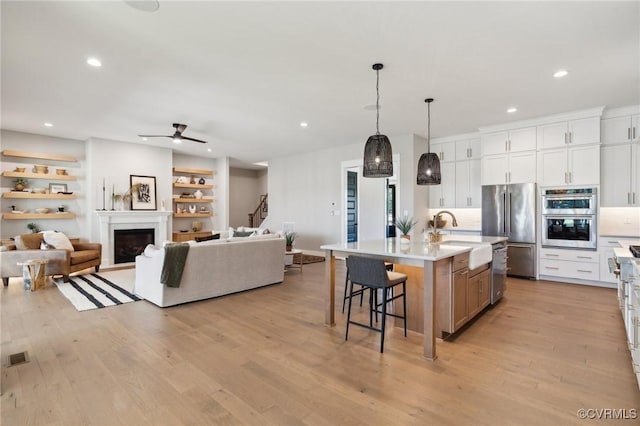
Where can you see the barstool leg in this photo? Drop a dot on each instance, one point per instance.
(344, 298)
(346, 336)
(404, 306)
(384, 318)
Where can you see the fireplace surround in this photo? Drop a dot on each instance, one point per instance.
(111, 220)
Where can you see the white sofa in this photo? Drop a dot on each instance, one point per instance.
(213, 268)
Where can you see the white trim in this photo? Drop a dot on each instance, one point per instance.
(573, 115)
(620, 112)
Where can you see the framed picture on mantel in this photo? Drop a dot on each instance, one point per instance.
(145, 196)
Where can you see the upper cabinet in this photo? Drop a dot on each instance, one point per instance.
(623, 129)
(515, 140)
(446, 150)
(443, 195)
(573, 166)
(582, 131)
(468, 149)
(620, 181)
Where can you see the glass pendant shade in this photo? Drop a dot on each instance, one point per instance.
(429, 169)
(378, 157)
(429, 163)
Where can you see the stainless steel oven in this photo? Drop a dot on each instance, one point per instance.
(569, 218)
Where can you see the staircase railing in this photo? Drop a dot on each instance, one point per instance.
(260, 213)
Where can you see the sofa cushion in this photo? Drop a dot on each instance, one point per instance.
(82, 256)
(29, 241)
(58, 240)
(45, 246)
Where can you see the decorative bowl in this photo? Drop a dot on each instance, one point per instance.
(42, 210)
(38, 190)
(41, 169)
(20, 169)
(61, 171)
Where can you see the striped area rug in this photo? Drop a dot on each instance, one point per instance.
(94, 291)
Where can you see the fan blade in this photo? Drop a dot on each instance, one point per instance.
(192, 139)
(155, 136)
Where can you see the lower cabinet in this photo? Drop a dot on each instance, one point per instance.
(572, 264)
(464, 297)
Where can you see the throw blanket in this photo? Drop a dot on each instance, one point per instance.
(175, 256)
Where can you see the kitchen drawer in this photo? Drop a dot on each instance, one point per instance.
(575, 270)
(571, 255)
(460, 261)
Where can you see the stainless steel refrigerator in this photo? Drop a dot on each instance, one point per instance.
(510, 211)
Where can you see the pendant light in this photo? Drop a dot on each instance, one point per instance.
(429, 164)
(378, 158)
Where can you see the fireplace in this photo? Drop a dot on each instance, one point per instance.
(128, 243)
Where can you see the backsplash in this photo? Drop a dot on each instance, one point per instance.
(468, 219)
(620, 221)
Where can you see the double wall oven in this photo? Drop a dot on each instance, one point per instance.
(569, 218)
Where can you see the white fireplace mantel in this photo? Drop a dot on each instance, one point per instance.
(111, 220)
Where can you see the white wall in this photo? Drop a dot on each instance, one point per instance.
(32, 143)
(114, 162)
(303, 187)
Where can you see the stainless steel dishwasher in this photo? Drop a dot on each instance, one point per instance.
(498, 272)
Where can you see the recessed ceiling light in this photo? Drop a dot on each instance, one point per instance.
(48, 125)
(304, 124)
(512, 110)
(144, 5)
(143, 138)
(177, 140)
(94, 62)
(560, 73)
(208, 149)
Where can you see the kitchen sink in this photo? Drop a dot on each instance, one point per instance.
(480, 254)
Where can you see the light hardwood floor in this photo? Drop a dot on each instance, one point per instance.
(265, 357)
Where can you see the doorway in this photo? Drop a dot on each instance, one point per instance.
(391, 209)
(352, 206)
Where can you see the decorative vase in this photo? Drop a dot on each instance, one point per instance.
(202, 181)
(19, 187)
(192, 208)
(289, 248)
(196, 226)
(198, 194)
(405, 239)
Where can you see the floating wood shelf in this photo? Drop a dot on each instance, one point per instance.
(27, 195)
(192, 171)
(208, 214)
(52, 157)
(193, 200)
(192, 185)
(50, 176)
(29, 216)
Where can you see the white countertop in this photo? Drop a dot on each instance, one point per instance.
(418, 250)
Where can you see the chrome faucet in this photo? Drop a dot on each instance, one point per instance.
(435, 219)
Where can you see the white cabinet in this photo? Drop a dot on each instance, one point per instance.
(620, 183)
(569, 166)
(443, 195)
(468, 190)
(584, 131)
(622, 129)
(607, 244)
(446, 151)
(572, 264)
(468, 149)
(516, 140)
(519, 167)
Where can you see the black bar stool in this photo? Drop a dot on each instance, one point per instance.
(372, 274)
(360, 291)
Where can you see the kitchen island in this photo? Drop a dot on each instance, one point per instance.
(429, 257)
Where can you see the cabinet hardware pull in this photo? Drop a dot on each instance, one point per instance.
(565, 138)
(565, 177)
(509, 176)
(509, 145)
(470, 152)
(585, 257)
(570, 177)
(584, 270)
(635, 332)
(634, 198)
(628, 198)
(551, 255)
(634, 132)
(570, 137)
(550, 267)
(628, 132)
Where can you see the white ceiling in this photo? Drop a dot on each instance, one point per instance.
(243, 75)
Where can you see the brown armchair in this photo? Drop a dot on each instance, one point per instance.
(61, 262)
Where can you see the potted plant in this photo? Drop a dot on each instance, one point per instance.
(19, 184)
(289, 238)
(33, 227)
(405, 225)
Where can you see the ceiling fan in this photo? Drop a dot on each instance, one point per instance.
(177, 136)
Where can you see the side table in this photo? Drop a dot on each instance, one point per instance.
(297, 259)
(33, 273)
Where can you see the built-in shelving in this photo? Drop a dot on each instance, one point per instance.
(30, 216)
(29, 195)
(193, 200)
(38, 156)
(207, 214)
(50, 176)
(193, 185)
(192, 171)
